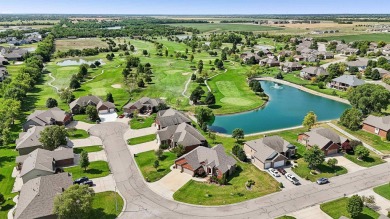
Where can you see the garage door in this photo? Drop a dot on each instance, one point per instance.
(333, 151)
(103, 111)
(267, 165)
(279, 164)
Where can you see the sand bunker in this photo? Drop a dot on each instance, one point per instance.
(116, 86)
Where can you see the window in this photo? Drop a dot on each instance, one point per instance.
(377, 131)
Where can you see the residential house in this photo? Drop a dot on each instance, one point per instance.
(182, 134)
(145, 105)
(345, 81)
(272, 151)
(383, 72)
(15, 54)
(207, 161)
(79, 105)
(326, 139)
(327, 55)
(298, 58)
(361, 64)
(311, 72)
(53, 116)
(36, 199)
(170, 117)
(270, 62)
(42, 162)
(377, 125)
(29, 141)
(291, 66)
(246, 56)
(309, 57)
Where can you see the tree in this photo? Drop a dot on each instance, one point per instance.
(309, 120)
(203, 115)
(53, 136)
(210, 99)
(279, 76)
(166, 53)
(355, 206)
(156, 164)
(109, 97)
(362, 152)
(144, 52)
(84, 160)
(66, 95)
(353, 70)
(75, 202)
(2, 199)
(193, 77)
(314, 157)
(351, 118)
(375, 75)
(148, 79)
(92, 112)
(13, 109)
(141, 83)
(159, 153)
(83, 70)
(97, 63)
(109, 57)
(332, 162)
(74, 83)
(179, 150)
(388, 136)
(51, 102)
(238, 134)
(191, 57)
(200, 66)
(257, 87)
(196, 94)
(368, 72)
(369, 98)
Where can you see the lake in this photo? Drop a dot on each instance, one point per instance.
(70, 62)
(286, 108)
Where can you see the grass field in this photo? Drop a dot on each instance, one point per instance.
(146, 160)
(376, 37)
(326, 171)
(78, 134)
(7, 163)
(95, 169)
(221, 27)
(66, 44)
(383, 191)
(88, 149)
(369, 161)
(338, 208)
(106, 205)
(141, 139)
(142, 122)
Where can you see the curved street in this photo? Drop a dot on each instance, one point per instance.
(141, 202)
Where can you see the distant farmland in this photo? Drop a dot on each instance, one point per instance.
(218, 27)
(376, 37)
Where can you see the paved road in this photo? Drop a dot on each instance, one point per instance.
(141, 202)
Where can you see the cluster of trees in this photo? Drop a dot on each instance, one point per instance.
(255, 86)
(239, 152)
(204, 116)
(136, 74)
(75, 81)
(369, 98)
(196, 94)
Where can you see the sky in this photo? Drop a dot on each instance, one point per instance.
(181, 7)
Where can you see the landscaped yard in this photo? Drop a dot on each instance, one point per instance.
(200, 193)
(95, 169)
(324, 169)
(141, 139)
(83, 118)
(106, 205)
(338, 208)
(142, 122)
(370, 161)
(146, 160)
(78, 134)
(383, 191)
(88, 149)
(7, 163)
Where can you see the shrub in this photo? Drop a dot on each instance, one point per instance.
(388, 136)
(281, 185)
(321, 85)
(164, 146)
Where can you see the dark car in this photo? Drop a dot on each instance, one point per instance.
(88, 182)
(81, 180)
(321, 181)
(282, 171)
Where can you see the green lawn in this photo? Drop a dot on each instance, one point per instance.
(376, 37)
(142, 122)
(383, 191)
(7, 163)
(325, 171)
(221, 27)
(78, 134)
(370, 161)
(106, 205)
(200, 193)
(146, 160)
(338, 208)
(83, 118)
(141, 139)
(88, 149)
(285, 217)
(95, 169)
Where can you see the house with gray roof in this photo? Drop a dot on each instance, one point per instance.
(377, 125)
(15, 54)
(53, 116)
(383, 72)
(36, 199)
(272, 151)
(145, 105)
(290, 66)
(246, 56)
(204, 161)
(345, 81)
(326, 139)
(182, 134)
(43, 162)
(170, 117)
(360, 63)
(270, 62)
(29, 141)
(311, 72)
(78, 106)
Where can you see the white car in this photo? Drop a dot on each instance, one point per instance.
(292, 178)
(273, 172)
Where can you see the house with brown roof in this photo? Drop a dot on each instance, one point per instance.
(78, 106)
(290, 66)
(29, 141)
(270, 62)
(327, 140)
(269, 152)
(36, 199)
(246, 56)
(311, 72)
(170, 117)
(182, 134)
(145, 105)
(204, 161)
(377, 125)
(53, 116)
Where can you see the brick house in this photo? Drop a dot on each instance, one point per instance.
(377, 125)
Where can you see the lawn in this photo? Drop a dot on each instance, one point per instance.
(141, 139)
(201, 193)
(106, 205)
(66, 44)
(376, 37)
(142, 122)
(369, 161)
(325, 170)
(338, 208)
(222, 27)
(78, 134)
(95, 169)
(83, 118)
(285, 217)
(383, 191)
(145, 163)
(7, 163)
(88, 149)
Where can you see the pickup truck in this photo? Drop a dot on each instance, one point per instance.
(292, 178)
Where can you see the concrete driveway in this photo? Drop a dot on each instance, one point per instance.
(381, 203)
(349, 165)
(310, 213)
(104, 184)
(147, 146)
(80, 125)
(170, 183)
(91, 140)
(133, 133)
(287, 184)
(108, 117)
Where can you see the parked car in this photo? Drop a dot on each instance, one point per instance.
(321, 181)
(282, 171)
(292, 178)
(81, 180)
(121, 116)
(273, 172)
(88, 182)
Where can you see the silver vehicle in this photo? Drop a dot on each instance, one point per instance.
(292, 179)
(273, 172)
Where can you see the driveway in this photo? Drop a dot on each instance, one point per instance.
(287, 184)
(79, 125)
(104, 184)
(170, 183)
(311, 212)
(349, 165)
(381, 203)
(90, 141)
(147, 146)
(133, 133)
(108, 117)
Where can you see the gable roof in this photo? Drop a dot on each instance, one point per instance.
(323, 137)
(212, 157)
(144, 101)
(183, 134)
(351, 80)
(44, 117)
(315, 71)
(292, 65)
(378, 122)
(171, 117)
(268, 148)
(29, 138)
(85, 100)
(361, 62)
(36, 198)
(382, 71)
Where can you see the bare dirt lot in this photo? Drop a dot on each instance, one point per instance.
(81, 43)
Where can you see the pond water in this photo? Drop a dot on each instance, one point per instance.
(182, 37)
(286, 108)
(70, 62)
(114, 28)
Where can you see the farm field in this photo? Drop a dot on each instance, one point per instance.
(376, 37)
(220, 27)
(85, 43)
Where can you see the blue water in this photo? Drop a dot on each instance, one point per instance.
(70, 62)
(286, 108)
